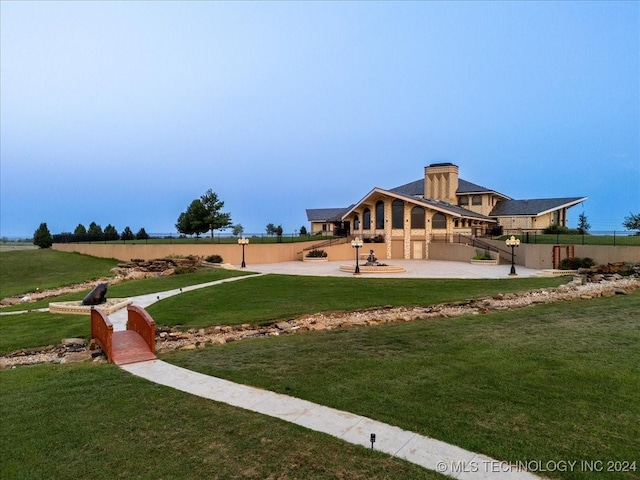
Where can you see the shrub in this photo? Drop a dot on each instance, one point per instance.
(574, 263)
(214, 259)
(317, 253)
(483, 256)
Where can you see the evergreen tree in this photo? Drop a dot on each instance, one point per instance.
(110, 233)
(214, 218)
(303, 230)
(42, 237)
(583, 225)
(142, 234)
(127, 234)
(95, 231)
(80, 230)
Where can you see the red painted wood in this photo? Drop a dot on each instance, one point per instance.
(129, 347)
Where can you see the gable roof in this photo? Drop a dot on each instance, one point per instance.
(326, 214)
(417, 188)
(534, 207)
(437, 205)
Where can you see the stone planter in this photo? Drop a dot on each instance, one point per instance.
(485, 262)
(315, 259)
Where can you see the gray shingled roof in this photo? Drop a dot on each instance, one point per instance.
(508, 208)
(326, 214)
(417, 188)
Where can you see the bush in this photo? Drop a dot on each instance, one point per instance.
(214, 259)
(483, 256)
(317, 253)
(574, 263)
(559, 229)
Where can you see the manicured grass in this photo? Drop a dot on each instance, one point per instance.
(25, 270)
(96, 421)
(143, 286)
(273, 297)
(552, 382)
(565, 239)
(38, 329)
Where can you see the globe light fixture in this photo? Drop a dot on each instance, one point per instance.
(512, 242)
(357, 243)
(243, 241)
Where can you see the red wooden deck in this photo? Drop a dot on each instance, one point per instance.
(130, 347)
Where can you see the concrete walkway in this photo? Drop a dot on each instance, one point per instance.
(413, 269)
(427, 452)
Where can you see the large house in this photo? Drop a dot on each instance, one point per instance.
(436, 208)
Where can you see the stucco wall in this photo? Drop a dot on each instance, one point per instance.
(230, 253)
(541, 256)
(453, 252)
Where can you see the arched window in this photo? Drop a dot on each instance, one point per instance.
(439, 221)
(379, 214)
(476, 200)
(397, 214)
(366, 219)
(356, 223)
(417, 217)
(463, 200)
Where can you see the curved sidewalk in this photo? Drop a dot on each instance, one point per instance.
(427, 452)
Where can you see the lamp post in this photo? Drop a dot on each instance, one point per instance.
(243, 241)
(357, 243)
(512, 242)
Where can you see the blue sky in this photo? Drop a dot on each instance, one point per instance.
(122, 113)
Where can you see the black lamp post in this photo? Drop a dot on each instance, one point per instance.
(357, 243)
(243, 241)
(512, 242)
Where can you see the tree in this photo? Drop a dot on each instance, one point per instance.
(271, 229)
(95, 231)
(278, 232)
(632, 222)
(80, 230)
(196, 218)
(110, 233)
(583, 225)
(237, 230)
(127, 234)
(303, 230)
(142, 234)
(214, 218)
(42, 236)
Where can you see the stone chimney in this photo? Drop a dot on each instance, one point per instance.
(441, 182)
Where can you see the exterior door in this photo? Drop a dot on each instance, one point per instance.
(417, 250)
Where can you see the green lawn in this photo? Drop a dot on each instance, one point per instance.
(566, 239)
(25, 271)
(552, 382)
(270, 298)
(98, 422)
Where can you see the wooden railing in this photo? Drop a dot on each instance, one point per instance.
(102, 331)
(141, 322)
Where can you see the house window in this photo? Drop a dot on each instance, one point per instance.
(356, 222)
(417, 217)
(366, 219)
(463, 200)
(439, 221)
(379, 214)
(477, 200)
(397, 214)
